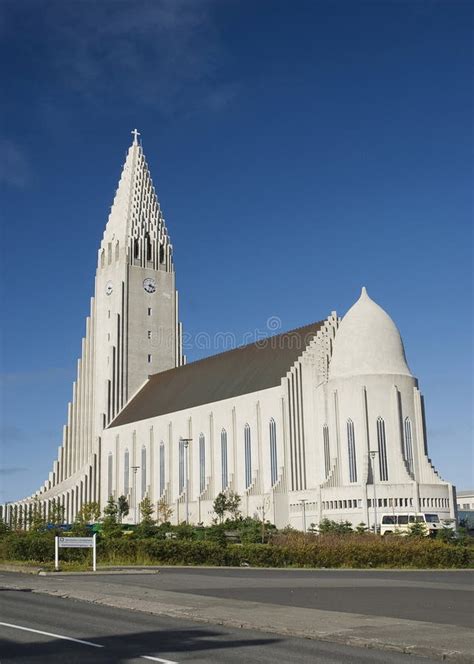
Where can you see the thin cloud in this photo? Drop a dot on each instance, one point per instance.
(12, 470)
(32, 377)
(14, 166)
(161, 53)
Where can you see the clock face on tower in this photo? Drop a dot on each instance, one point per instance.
(109, 287)
(149, 285)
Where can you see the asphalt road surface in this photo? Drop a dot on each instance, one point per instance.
(442, 597)
(42, 629)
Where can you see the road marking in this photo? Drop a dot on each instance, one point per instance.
(55, 636)
(158, 659)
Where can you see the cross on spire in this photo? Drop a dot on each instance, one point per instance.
(136, 134)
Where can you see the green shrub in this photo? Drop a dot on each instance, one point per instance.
(291, 549)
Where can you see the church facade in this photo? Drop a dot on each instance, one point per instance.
(325, 421)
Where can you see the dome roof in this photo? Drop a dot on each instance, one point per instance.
(367, 342)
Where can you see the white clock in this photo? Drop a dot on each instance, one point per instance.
(109, 287)
(149, 285)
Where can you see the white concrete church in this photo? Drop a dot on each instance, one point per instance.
(323, 421)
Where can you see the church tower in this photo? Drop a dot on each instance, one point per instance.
(132, 332)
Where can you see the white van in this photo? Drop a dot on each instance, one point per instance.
(400, 523)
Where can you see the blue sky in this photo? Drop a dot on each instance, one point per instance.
(300, 150)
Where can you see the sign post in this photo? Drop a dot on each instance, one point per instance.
(75, 543)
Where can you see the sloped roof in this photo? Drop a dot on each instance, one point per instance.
(242, 370)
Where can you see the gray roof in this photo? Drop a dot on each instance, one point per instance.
(242, 370)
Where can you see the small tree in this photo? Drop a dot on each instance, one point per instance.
(164, 511)
(123, 507)
(89, 513)
(327, 526)
(233, 505)
(446, 534)
(3, 527)
(110, 525)
(417, 529)
(220, 506)
(147, 525)
(312, 528)
(55, 513)
(361, 529)
(37, 522)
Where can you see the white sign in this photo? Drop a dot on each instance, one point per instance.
(75, 543)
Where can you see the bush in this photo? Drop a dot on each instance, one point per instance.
(290, 549)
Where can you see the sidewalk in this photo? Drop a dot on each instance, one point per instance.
(444, 642)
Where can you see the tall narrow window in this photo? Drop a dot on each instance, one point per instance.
(143, 472)
(162, 468)
(181, 467)
(110, 462)
(273, 453)
(224, 468)
(202, 463)
(327, 451)
(126, 473)
(148, 247)
(351, 451)
(248, 456)
(408, 444)
(382, 445)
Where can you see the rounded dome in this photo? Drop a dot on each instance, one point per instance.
(367, 342)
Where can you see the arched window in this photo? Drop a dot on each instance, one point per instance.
(110, 468)
(162, 468)
(382, 445)
(408, 444)
(136, 248)
(181, 466)
(351, 451)
(126, 473)
(143, 471)
(273, 453)
(224, 463)
(327, 452)
(248, 456)
(202, 463)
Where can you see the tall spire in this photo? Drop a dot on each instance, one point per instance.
(136, 221)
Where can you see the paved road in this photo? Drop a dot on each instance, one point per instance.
(436, 596)
(126, 636)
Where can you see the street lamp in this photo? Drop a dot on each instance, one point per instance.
(186, 442)
(303, 502)
(135, 471)
(372, 456)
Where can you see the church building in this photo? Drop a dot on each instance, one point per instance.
(325, 421)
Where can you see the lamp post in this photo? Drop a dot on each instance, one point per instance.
(186, 442)
(303, 502)
(135, 471)
(372, 456)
